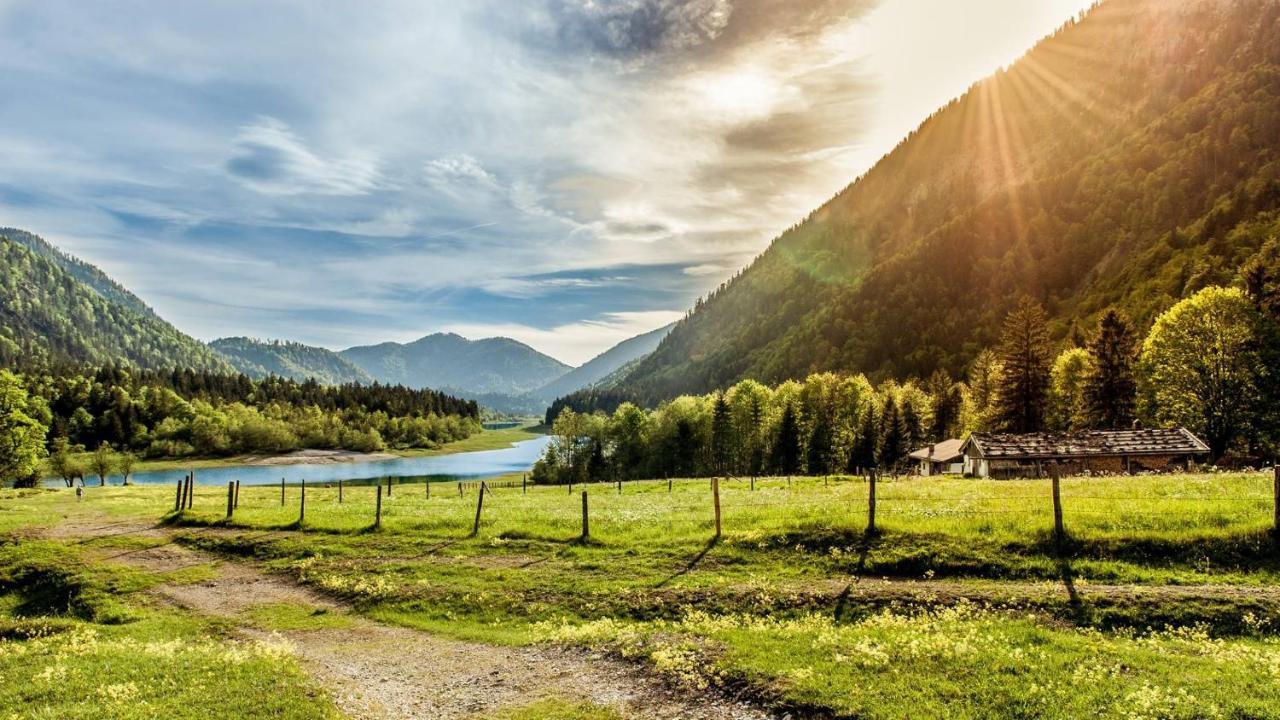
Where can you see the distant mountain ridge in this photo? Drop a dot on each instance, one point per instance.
(258, 359)
(57, 309)
(487, 366)
(605, 364)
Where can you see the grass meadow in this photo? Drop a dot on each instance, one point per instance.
(1159, 603)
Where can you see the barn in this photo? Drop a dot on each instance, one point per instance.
(997, 455)
(945, 458)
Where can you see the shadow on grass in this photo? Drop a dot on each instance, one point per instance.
(693, 563)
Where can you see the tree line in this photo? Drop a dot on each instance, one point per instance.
(1206, 364)
(121, 413)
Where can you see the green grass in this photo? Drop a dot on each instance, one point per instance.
(790, 603)
(557, 710)
(77, 640)
(295, 616)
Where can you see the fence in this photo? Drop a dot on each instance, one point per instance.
(747, 504)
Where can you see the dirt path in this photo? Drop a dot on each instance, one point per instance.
(381, 671)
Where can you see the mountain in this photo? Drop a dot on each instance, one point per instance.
(296, 361)
(489, 366)
(604, 364)
(1130, 159)
(55, 308)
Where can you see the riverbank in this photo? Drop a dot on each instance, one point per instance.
(483, 440)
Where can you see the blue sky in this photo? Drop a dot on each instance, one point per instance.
(566, 172)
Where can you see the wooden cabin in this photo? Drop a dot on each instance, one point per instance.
(1113, 452)
(945, 458)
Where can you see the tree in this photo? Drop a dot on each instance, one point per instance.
(786, 448)
(984, 381)
(63, 464)
(1201, 366)
(1023, 384)
(821, 448)
(21, 433)
(893, 436)
(125, 462)
(102, 462)
(1067, 409)
(947, 402)
(862, 456)
(722, 445)
(1110, 389)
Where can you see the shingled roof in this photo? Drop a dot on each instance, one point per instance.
(1093, 443)
(942, 452)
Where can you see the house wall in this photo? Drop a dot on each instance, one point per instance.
(1111, 465)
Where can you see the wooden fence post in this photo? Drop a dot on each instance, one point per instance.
(871, 502)
(524, 484)
(586, 528)
(1058, 531)
(715, 493)
(339, 491)
(237, 503)
(753, 483)
(668, 486)
(388, 488)
(459, 490)
(281, 492)
(619, 486)
(231, 498)
(428, 484)
(475, 528)
(177, 500)
(302, 502)
(377, 512)
(191, 490)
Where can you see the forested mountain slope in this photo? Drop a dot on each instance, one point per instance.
(1130, 160)
(57, 309)
(296, 361)
(491, 365)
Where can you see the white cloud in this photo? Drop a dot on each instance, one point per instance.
(270, 158)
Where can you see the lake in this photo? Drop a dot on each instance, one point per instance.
(457, 466)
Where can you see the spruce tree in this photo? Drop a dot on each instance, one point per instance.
(893, 437)
(786, 450)
(721, 436)
(1023, 384)
(820, 446)
(863, 455)
(1110, 389)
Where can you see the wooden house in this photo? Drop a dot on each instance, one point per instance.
(1094, 451)
(945, 458)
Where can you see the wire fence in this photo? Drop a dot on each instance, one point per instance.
(513, 508)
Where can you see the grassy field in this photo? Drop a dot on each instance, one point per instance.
(485, 440)
(962, 605)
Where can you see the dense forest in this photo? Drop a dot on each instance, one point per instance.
(188, 413)
(259, 359)
(1127, 161)
(56, 309)
(1209, 363)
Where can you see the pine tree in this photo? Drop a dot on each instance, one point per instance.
(721, 436)
(893, 437)
(820, 446)
(786, 450)
(1023, 384)
(1110, 389)
(863, 455)
(947, 402)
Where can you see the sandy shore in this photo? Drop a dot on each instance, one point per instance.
(314, 457)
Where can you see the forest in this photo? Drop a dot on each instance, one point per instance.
(127, 412)
(1128, 161)
(1208, 364)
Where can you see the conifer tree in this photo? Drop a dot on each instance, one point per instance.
(1110, 389)
(893, 438)
(1023, 383)
(786, 449)
(863, 455)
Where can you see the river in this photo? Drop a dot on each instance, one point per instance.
(457, 466)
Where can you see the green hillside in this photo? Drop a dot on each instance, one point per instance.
(1130, 159)
(296, 361)
(57, 309)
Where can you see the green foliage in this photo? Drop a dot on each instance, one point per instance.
(1201, 366)
(1067, 381)
(21, 432)
(1127, 161)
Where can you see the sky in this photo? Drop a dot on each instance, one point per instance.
(568, 173)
